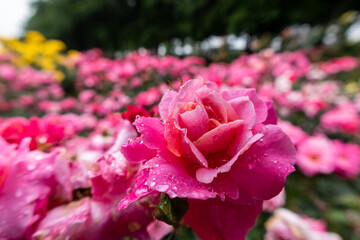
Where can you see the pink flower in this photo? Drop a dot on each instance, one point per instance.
(276, 202)
(7, 72)
(296, 134)
(28, 181)
(336, 65)
(347, 159)
(149, 97)
(316, 155)
(344, 118)
(213, 149)
(286, 224)
(88, 219)
(157, 230)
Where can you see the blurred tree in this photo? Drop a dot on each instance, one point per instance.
(127, 24)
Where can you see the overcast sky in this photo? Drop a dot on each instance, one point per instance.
(13, 16)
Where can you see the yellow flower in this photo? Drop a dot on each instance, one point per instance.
(34, 37)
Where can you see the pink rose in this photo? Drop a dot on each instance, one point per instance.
(285, 224)
(30, 182)
(315, 155)
(347, 159)
(212, 148)
(276, 202)
(343, 118)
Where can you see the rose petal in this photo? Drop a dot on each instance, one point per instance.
(186, 92)
(164, 105)
(271, 116)
(214, 219)
(272, 159)
(245, 110)
(259, 105)
(173, 179)
(217, 107)
(196, 122)
(152, 131)
(219, 138)
(137, 151)
(207, 175)
(137, 192)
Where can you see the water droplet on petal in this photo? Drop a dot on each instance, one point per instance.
(152, 184)
(139, 192)
(251, 166)
(162, 188)
(31, 166)
(18, 193)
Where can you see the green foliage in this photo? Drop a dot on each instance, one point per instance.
(127, 24)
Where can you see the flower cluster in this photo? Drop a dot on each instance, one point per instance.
(147, 146)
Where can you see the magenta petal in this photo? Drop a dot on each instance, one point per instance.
(206, 175)
(214, 219)
(196, 122)
(244, 109)
(259, 105)
(173, 179)
(272, 159)
(187, 146)
(66, 221)
(137, 151)
(138, 191)
(271, 116)
(219, 138)
(152, 131)
(164, 105)
(221, 109)
(186, 92)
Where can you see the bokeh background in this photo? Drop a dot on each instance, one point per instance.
(92, 58)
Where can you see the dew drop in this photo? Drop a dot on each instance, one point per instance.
(130, 190)
(152, 184)
(139, 192)
(174, 188)
(265, 154)
(18, 193)
(162, 188)
(31, 166)
(137, 116)
(251, 166)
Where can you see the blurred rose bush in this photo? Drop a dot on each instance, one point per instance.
(95, 148)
